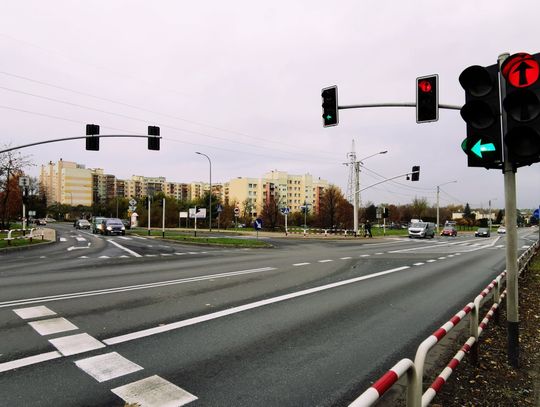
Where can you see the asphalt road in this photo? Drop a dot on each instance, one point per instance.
(98, 321)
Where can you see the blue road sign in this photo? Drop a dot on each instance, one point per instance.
(257, 224)
(536, 213)
(285, 211)
(219, 208)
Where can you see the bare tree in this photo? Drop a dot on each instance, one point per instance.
(11, 167)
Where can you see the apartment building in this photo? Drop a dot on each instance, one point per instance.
(67, 183)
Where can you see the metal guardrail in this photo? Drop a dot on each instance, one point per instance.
(415, 397)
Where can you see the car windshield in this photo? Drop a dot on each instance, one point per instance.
(482, 230)
(419, 225)
(449, 228)
(114, 222)
(84, 221)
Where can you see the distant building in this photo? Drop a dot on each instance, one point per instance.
(67, 183)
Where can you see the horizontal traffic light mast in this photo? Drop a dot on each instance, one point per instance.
(152, 139)
(441, 106)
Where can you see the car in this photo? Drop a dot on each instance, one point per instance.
(422, 229)
(97, 224)
(482, 232)
(40, 222)
(449, 231)
(82, 224)
(127, 223)
(501, 230)
(113, 226)
(50, 220)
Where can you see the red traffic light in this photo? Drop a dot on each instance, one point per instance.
(425, 86)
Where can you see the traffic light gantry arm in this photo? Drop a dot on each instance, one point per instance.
(70, 138)
(383, 181)
(441, 106)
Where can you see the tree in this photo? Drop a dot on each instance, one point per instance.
(330, 203)
(11, 168)
(419, 207)
(270, 214)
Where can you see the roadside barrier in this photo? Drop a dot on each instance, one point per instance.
(415, 397)
(34, 232)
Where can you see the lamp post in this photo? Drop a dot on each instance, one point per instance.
(210, 195)
(356, 199)
(438, 191)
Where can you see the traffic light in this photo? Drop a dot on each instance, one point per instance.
(415, 174)
(522, 106)
(385, 213)
(153, 138)
(330, 106)
(92, 141)
(481, 112)
(427, 99)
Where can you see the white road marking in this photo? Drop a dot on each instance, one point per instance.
(525, 246)
(104, 257)
(166, 254)
(193, 252)
(125, 238)
(125, 248)
(107, 366)
(150, 255)
(52, 326)
(300, 264)
(180, 254)
(378, 254)
(365, 255)
(80, 239)
(73, 344)
(442, 258)
(63, 239)
(117, 290)
(30, 360)
(83, 257)
(430, 261)
(345, 258)
(325, 261)
(241, 308)
(418, 264)
(154, 392)
(123, 257)
(140, 237)
(34, 312)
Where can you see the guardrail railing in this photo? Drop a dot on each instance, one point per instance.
(415, 396)
(20, 234)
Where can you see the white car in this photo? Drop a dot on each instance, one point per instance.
(501, 230)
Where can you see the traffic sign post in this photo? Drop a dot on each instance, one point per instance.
(285, 211)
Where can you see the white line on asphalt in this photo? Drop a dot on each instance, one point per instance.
(125, 238)
(442, 258)
(180, 254)
(129, 288)
(430, 261)
(104, 257)
(166, 254)
(125, 249)
(80, 239)
(63, 239)
(241, 308)
(325, 261)
(378, 254)
(418, 264)
(153, 392)
(150, 255)
(300, 264)
(107, 366)
(345, 258)
(30, 360)
(365, 255)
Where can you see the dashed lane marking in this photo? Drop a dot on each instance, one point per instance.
(52, 326)
(30, 360)
(418, 264)
(430, 261)
(345, 258)
(300, 264)
(325, 261)
(107, 366)
(73, 344)
(80, 239)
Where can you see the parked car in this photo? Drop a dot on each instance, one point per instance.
(501, 230)
(40, 222)
(113, 226)
(482, 232)
(97, 224)
(422, 229)
(449, 231)
(82, 224)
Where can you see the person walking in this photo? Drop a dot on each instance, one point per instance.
(367, 231)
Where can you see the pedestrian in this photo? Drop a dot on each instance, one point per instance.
(368, 229)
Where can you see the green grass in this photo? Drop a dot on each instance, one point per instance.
(201, 239)
(21, 242)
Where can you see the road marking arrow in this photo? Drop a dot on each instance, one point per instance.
(478, 148)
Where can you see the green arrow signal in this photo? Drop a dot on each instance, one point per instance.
(478, 148)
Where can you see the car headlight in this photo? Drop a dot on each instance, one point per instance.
(123, 228)
(109, 227)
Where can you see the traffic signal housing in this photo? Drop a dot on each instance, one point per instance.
(92, 139)
(153, 138)
(415, 174)
(427, 99)
(482, 113)
(522, 107)
(330, 106)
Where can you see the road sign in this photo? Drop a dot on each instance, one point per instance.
(132, 202)
(257, 224)
(33, 213)
(219, 208)
(536, 213)
(201, 213)
(183, 215)
(236, 211)
(521, 70)
(132, 208)
(285, 211)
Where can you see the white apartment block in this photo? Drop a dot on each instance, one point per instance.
(67, 183)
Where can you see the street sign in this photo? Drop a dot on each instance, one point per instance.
(285, 211)
(219, 208)
(521, 70)
(536, 213)
(257, 224)
(132, 208)
(33, 213)
(236, 211)
(183, 215)
(201, 213)
(132, 202)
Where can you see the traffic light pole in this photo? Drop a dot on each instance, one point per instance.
(512, 307)
(451, 107)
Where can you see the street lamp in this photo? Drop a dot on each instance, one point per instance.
(356, 199)
(210, 195)
(438, 190)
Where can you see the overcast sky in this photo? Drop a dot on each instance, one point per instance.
(240, 81)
